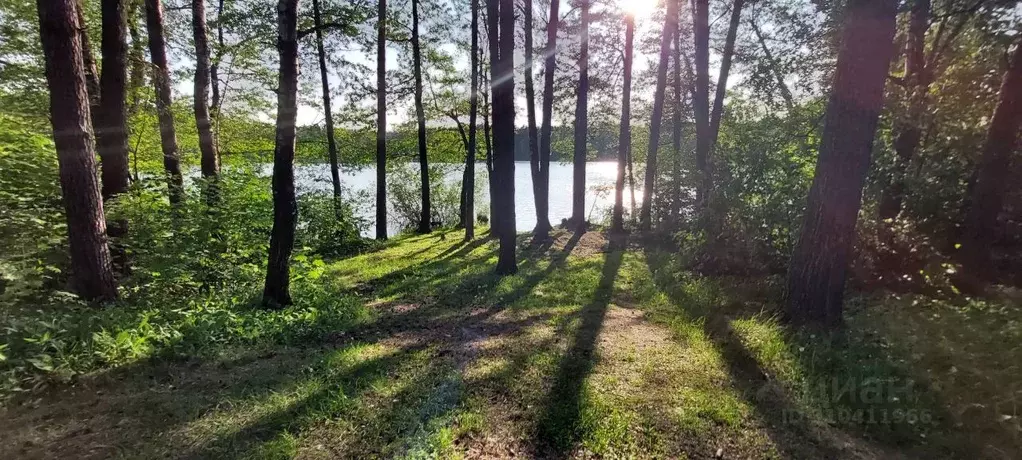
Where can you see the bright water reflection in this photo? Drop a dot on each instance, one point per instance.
(361, 183)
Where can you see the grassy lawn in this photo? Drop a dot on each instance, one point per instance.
(595, 348)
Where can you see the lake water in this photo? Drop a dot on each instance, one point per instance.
(361, 182)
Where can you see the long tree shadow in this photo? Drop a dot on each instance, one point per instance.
(445, 290)
(133, 408)
(789, 423)
(556, 262)
(335, 395)
(559, 428)
(792, 436)
(450, 260)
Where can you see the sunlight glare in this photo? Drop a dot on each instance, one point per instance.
(639, 9)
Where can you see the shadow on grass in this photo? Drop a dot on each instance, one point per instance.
(559, 427)
(337, 394)
(835, 376)
(447, 262)
(533, 251)
(134, 408)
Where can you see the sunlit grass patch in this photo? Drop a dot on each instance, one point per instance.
(604, 428)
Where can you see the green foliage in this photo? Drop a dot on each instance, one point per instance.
(194, 273)
(32, 225)
(404, 189)
(328, 228)
(763, 166)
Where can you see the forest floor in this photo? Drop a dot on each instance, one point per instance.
(596, 348)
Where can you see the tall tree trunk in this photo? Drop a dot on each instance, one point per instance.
(112, 124)
(578, 184)
(92, 276)
(725, 69)
(425, 220)
(648, 186)
(907, 128)
(488, 138)
(493, 42)
(701, 102)
(136, 59)
(136, 77)
(676, 128)
(625, 135)
(381, 120)
(335, 175)
(993, 174)
(214, 67)
(209, 161)
(713, 220)
(631, 185)
(89, 62)
(161, 81)
(216, 104)
(503, 87)
(819, 263)
(542, 188)
(463, 134)
(276, 291)
(535, 166)
(470, 162)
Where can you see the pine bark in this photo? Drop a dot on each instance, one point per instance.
(425, 219)
(656, 122)
(993, 175)
(136, 59)
(89, 61)
(676, 128)
(701, 102)
(819, 263)
(488, 139)
(276, 292)
(625, 134)
(502, 83)
(112, 124)
(210, 163)
(578, 185)
(335, 175)
(493, 40)
(91, 273)
(468, 213)
(542, 187)
(214, 66)
(161, 81)
(535, 165)
(381, 120)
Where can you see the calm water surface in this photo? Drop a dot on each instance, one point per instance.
(361, 183)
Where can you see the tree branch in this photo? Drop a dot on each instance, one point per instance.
(324, 26)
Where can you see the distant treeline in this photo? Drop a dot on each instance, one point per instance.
(357, 146)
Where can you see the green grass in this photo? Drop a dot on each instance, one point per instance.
(417, 350)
